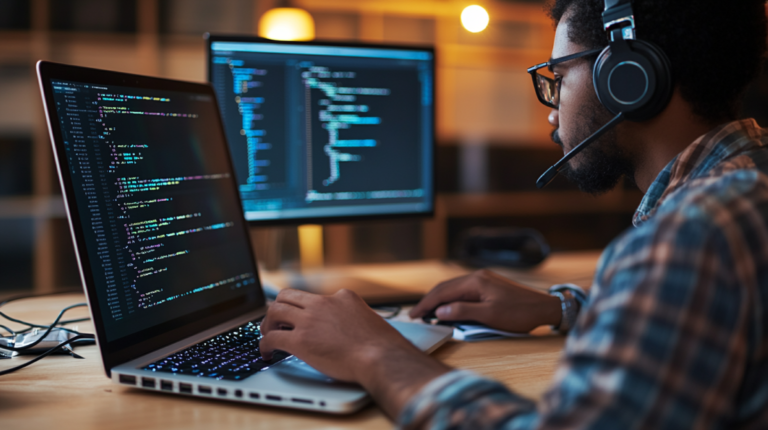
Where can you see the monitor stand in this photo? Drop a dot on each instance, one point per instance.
(373, 293)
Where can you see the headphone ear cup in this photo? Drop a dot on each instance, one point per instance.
(664, 80)
(637, 81)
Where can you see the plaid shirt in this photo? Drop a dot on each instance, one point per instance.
(675, 332)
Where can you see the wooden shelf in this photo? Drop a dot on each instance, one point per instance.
(32, 207)
(537, 203)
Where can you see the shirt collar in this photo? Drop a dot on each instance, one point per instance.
(696, 160)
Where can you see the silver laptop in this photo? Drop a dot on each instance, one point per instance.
(162, 245)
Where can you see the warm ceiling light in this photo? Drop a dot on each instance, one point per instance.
(287, 23)
(474, 18)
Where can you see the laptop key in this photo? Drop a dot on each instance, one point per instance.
(230, 356)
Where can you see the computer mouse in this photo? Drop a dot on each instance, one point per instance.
(431, 318)
(505, 247)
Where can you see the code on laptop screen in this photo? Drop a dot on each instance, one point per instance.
(162, 223)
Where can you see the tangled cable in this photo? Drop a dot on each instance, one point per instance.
(57, 323)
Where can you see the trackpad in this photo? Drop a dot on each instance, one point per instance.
(425, 337)
(295, 368)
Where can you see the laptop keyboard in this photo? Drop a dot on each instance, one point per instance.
(232, 356)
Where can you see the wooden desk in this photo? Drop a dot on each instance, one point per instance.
(62, 392)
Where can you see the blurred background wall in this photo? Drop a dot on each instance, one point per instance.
(493, 136)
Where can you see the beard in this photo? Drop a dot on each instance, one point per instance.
(601, 164)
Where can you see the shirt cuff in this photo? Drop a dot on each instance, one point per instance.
(463, 399)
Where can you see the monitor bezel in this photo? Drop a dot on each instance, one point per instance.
(135, 345)
(341, 219)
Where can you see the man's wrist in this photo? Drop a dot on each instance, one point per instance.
(554, 312)
(380, 356)
(392, 376)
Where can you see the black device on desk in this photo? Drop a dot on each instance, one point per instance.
(325, 132)
(431, 318)
(504, 247)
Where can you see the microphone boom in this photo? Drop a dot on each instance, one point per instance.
(550, 174)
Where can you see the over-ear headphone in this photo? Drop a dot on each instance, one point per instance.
(630, 76)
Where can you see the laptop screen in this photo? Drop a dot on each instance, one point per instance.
(320, 131)
(160, 217)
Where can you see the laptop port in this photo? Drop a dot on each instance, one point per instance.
(166, 385)
(238, 393)
(221, 391)
(127, 379)
(185, 388)
(148, 382)
(254, 395)
(305, 401)
(204, 390)
(275, 398)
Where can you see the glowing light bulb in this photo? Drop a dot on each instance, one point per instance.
(474, 18)
(287, 23)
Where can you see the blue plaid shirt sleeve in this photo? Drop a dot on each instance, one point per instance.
(673, 335)
(643, 353)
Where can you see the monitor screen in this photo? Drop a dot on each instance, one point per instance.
(151, 188)
(323, 131)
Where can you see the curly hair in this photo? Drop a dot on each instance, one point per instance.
(715, 47)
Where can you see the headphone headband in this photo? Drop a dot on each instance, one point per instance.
(631, 76)
(618, 15)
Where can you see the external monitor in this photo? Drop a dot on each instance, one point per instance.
(323, 132)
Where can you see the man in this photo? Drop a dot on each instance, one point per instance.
(674, 333)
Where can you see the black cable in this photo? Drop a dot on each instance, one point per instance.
(29, 329)
(48, 330)
(32, 326)
(30, 296)
(68, 330)
(47, 353)
(13, 333)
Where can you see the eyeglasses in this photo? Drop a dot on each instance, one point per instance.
(547, 86)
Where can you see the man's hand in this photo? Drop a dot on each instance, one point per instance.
(345, 339)
(338, 335)
(490, 299)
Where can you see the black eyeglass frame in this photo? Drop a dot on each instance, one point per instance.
(554, 82)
